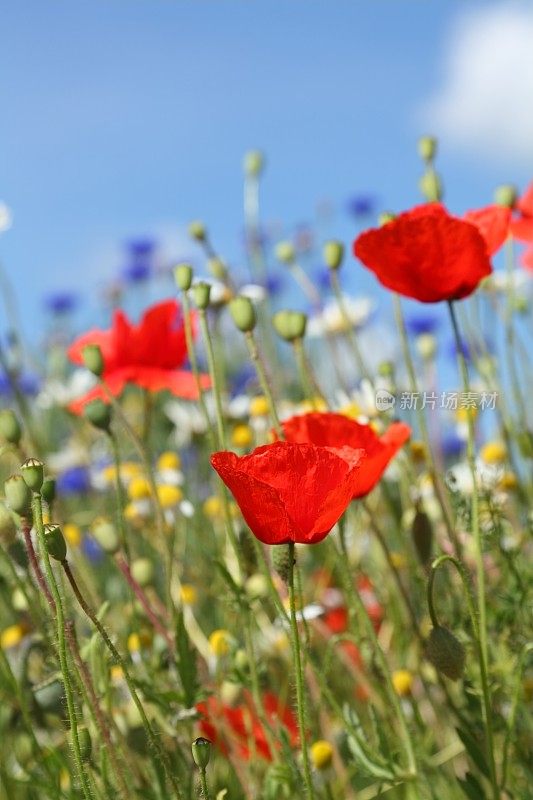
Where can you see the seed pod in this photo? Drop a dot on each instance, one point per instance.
(333, 254)
(217, 268)
(254, 163)
(446, 653)
(285, 253)
(33, 473)
(201, 293)
(48, 490)
(55, 542)
(281, 560)
(10, 426)
(290, 325)
(183, 274)
(142, 570)
(422, 533)
(506, 196)
(17, 494)
(431, 186)
(197, 230)
(98, 414)
(243, 313)
(93, 359)
(201, 752)
(105, 534)
(427, 148)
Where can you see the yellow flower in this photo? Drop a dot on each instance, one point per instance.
(508, 481)
(242, 436)
(169, 496)
(493, 453)
(398, 560)
(463, 413)
(128, 470)
(72, 534)
(321, 754)
(64, 780)
(168, 461)
(402, 680)
(418, 451)
(131, 512)
(139, 488)
(136, 641)
(213, 507)
(259, 406)
(219, 642)
(189, 595)
(351, 410)
(117, 673)
(12, 636)
(314, 404)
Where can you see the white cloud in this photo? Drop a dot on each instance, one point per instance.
(485, 105)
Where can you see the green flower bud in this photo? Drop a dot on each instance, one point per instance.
(93, 359)
(333, 254)
(17, 494)
(201, 752)
(427, 148)
(385, 217)
(8, 529)
(243, 313)
(48, 490)
(422, 533)
(285, 252)
(33, 473)
(201, 293)
(197, 230)
(142, 570)
(86, 745)
(446, 653)
(254, 163)
(55, 542)
(241, 659)
(431, 186)
(506, 196)
(217, 268)
(98, 414)
(183, 274)
(105, 534)
(281, 560)
(386, 369)
(10, 428)
(290, 325)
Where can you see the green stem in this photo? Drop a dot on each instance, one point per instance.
(37, 511)
(191, 352)
(299, 677)
(203, 783)
(352, 339)
(152, 738)
(204, 327)
(120, 499)
(263, 380)
(526, 650)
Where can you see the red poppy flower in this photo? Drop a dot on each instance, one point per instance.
(149, 354)
(426, 254)
(521, 224)
(527, 259)
(335, 431)
(240, 723)
(493, 224)
(290, 492)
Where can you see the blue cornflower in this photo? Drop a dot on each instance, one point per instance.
(422, 323)
(59, 303)
(361, 205)
(74, 480)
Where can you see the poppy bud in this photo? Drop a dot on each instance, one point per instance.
(8, 529)
(281, 560)
(183, 276)
(290, 325)
(431, 186)
(506, 196)
(105, 534)
(48, 490)
(427, 148)
(243, 313)
(201, 752)
(142, 571)
(33, 473)
(333, 254)
(10, 426)
(197, 230)
(217, 268)
(201, 293)
(254, 163)
(17, 494)
(55, 542)
(422, 533)
(86, 745)
(446, 653)
(93, 359)
(285, 252)
(98, 414)
(386, 217)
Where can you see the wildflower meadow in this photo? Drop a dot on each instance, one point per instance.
(267, 537)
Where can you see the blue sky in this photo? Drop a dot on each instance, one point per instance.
(128, 118)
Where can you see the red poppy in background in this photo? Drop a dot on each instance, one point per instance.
(338, 432)
(291, 492)
(493, 224)
(149, 354)
(521, 224)
(240, 723)
(426, 254)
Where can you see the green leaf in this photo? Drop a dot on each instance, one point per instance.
(472, 787)
(186, 664)
(474, 750)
